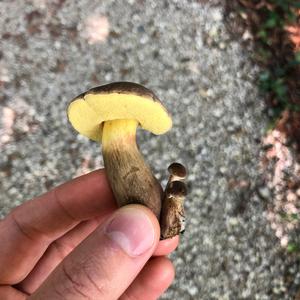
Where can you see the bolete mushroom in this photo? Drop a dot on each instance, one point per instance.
(110, 114)
(172, 220)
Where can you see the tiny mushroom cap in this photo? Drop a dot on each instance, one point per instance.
(176, 189)
(114, 101)
(177, 172)
(177, 169)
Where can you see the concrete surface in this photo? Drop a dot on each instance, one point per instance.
(53, 50)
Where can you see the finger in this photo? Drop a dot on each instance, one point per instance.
(106, 263)
(55, 253)
(152, 282)
(28, 230)
(60, 248)
(165, 247)
(9, 293)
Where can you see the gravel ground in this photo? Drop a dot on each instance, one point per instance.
(53, 50)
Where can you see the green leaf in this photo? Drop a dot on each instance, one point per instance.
(264, 76)
(291, 17)
(292, 247)
(280, 89)
(294, 216)
(271, 23)
(262, 34)
(265, 81)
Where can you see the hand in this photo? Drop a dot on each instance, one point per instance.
(73, 243)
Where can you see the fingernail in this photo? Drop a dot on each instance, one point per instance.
(132, 230)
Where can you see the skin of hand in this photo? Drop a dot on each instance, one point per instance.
(74, 243)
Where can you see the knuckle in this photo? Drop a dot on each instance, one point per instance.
(72, 283)
(61, 249)
(78, 282)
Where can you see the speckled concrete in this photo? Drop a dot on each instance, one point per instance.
(51, 52)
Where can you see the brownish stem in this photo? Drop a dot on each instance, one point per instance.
(130, 177)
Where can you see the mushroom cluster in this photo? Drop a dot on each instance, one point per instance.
(110, 114)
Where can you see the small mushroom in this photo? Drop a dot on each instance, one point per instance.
(172, 221)
(111, 114)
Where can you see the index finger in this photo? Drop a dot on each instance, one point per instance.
(28, 230)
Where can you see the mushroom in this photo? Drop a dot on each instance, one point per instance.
(172, 220)
(110, 114)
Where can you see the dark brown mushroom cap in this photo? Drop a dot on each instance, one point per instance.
(118, 100)
(123, 87)
(176, 189)
(178, 170)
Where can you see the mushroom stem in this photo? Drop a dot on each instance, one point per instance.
(130, 177)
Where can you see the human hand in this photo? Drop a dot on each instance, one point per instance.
(73, 243)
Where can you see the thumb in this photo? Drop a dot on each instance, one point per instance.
(106, 262)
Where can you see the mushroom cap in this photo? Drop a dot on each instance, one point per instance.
(178, 170)
(118, 100)
(176, 189)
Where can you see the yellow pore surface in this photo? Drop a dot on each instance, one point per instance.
(87, 114)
